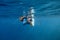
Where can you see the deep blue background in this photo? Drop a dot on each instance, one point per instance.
(47, 20)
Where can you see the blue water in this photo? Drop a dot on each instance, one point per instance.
(47, 20)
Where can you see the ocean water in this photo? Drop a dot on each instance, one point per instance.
(47, 20)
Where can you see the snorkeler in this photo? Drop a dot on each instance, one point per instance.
(29, 18)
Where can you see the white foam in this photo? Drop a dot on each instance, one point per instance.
(32, 11)
(32, 19)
